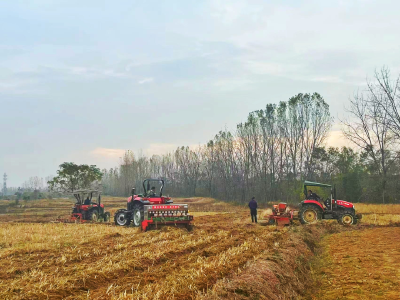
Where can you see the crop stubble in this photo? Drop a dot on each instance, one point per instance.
(99, 261)
(58, 260)
(359, 264)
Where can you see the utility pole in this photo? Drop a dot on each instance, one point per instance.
(4, 184)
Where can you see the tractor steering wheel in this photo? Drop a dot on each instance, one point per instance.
(328, 202)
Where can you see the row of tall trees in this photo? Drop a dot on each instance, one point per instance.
(267, 156)
(270, 154)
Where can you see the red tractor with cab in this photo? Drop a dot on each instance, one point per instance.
(152, 209)
(85, 209)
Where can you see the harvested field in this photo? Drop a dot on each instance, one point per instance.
(377, 208)
(359, 265)
(49, 210)
(93, 261)
(224, 257)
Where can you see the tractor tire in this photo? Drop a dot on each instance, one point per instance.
(271, 221)
(93, 216)
(138, 215)
(310, 214)
(106, 217)
(347, 219)
(121, 218)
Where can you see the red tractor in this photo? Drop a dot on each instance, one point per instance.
(87, 210)
(152, 209)
(313, 209)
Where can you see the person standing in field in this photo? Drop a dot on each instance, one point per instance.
(253, 209)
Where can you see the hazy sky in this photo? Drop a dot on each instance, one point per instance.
(82, 81)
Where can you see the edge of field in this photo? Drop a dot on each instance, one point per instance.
(280, 272)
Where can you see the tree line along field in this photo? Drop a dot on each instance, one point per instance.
(224, 257)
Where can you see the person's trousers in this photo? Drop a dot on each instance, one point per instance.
(253, 213)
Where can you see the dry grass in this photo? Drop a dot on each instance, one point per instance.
(102, 261)
(74, 261)
(379, 214)
(377, 208)
(49, 210)
(220, 258)
(359, 265)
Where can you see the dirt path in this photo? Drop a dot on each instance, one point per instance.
(360, 265)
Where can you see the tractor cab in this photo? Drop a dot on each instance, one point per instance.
(314, 208)
(88, 206)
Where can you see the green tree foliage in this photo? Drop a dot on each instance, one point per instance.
(71, 177)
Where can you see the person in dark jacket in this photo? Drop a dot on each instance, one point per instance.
(152, 192)
(313, 196)
(87, 201)
(253, 209)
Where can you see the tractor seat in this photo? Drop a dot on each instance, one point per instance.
(328, 203)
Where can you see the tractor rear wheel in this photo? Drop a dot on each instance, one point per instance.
(271, 221)
(121, 218)
(347, 219)
(138, 215)
(93, 216)
(310, 214)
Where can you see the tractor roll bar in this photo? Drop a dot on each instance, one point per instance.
(148, 185)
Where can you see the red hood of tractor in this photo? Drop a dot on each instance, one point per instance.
(153, 200)
(344, 203)
(338, 202)
(88, 206)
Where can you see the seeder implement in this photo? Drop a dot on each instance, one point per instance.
(281, 216)
(75, 218)
(155, 215)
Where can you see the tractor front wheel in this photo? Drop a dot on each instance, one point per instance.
(138, 215)
(121, 218)
(347, 219)
(310, 214)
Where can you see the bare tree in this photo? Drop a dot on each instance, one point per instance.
(385, 94)
(369, 130)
